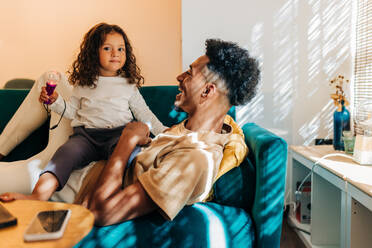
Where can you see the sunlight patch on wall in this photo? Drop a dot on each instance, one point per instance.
(328, 48)
(286, 63)
(254, 110)
(327, 118)
(324, 118)
(309, 131)
(314, 43)
(336, 39)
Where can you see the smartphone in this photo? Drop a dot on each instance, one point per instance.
(6, 218)
(47, 225)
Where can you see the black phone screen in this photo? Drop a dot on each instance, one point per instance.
(47, 222)
(6, 218)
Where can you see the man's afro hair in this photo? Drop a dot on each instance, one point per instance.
(233, 64)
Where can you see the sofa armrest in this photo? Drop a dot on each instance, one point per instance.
(10, 100)
(268, 153)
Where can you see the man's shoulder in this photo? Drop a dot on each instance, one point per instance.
(177, 129)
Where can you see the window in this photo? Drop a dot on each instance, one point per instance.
(363, 56)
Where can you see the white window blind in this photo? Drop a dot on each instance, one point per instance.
(363, 58)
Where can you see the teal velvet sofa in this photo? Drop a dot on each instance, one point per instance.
(246, 210)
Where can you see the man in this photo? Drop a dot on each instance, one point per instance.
(179, 166)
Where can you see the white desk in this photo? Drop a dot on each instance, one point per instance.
(341, 198)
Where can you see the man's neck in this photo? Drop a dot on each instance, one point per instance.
(206, 121)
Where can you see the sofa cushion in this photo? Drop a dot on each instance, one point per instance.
(198, 225)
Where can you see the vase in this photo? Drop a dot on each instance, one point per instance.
(341, 122)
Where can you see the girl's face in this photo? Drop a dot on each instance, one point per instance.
(112, 55)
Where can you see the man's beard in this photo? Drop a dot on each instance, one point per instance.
(176, 105)
(177, 108)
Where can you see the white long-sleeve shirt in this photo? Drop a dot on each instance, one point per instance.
(109, 105)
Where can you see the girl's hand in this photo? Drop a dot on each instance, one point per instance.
(137, 132)
(44, 96)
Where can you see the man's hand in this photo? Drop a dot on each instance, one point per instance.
(44, 96)
(137, 132)
(125, 204)
(111, 179)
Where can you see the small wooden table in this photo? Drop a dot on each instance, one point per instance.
(79, 225)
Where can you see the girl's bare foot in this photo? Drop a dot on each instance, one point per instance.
(44, 188)
(7, 197)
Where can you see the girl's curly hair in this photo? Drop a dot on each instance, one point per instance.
(85, 69)
(235, 67)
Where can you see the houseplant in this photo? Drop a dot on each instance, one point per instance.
(341, 116)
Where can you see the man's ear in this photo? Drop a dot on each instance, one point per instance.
(209, 90)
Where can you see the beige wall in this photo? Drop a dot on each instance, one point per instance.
(39, 35)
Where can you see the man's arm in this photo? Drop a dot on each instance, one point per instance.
(109, 203)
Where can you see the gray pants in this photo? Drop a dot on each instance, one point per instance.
(84, 146)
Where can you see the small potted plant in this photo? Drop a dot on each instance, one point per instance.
(338, 97)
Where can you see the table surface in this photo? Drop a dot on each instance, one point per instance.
(79, 225)
(358, 175)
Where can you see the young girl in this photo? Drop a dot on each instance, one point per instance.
(106, 81)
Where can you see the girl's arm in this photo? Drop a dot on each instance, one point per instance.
(69, 107)
(143, 113)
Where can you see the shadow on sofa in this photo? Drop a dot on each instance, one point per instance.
(246, 210)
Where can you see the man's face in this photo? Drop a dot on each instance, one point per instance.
(191, 85)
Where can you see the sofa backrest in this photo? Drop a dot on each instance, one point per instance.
(19, 83)
(160, 100)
